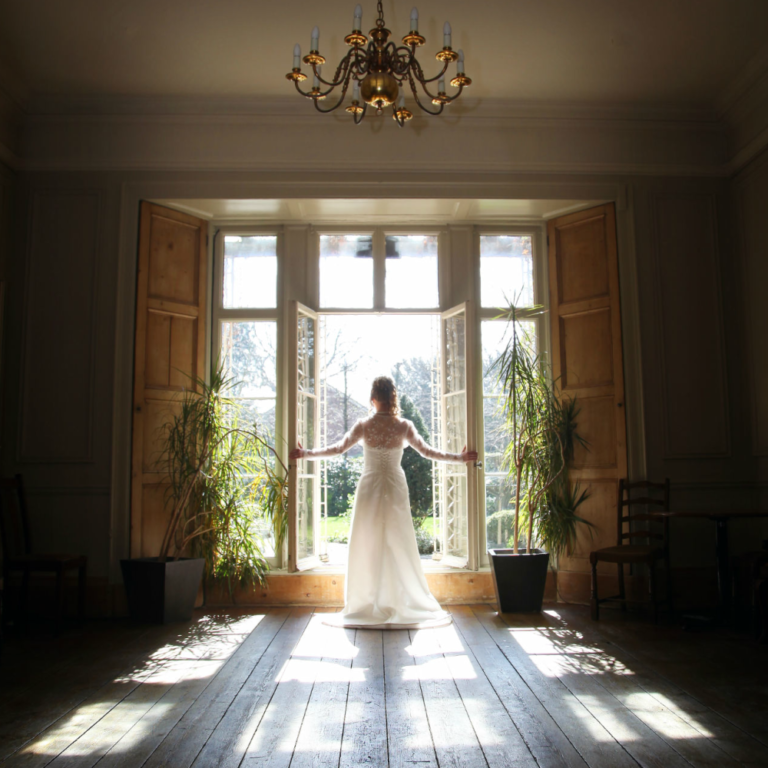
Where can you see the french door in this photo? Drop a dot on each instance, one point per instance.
(303, 405)
(457, 509)
(458, 513)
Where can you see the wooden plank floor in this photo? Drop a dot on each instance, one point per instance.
(278, 687)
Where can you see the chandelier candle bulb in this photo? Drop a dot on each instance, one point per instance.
(315, 39)
(297, 56)
(357, 25)
(401, 100)
(356, 91)
(315, 81)
(441, 85)
(447, 35)
(460, 63)
(414, 20)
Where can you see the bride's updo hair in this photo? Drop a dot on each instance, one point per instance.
(384, 390)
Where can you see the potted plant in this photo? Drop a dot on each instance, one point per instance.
(541, 427)
(222, 475)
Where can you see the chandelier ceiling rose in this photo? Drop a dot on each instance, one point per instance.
(380, 71)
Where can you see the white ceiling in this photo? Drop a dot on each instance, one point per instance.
(377, 211)
(617, 52)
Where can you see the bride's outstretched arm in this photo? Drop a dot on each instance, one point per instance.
(351, 438)
(417, 441)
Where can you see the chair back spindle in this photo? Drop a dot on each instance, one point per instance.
(655, 498)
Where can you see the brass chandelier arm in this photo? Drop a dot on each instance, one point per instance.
(432, 97)
(313, 94)
(416, 67)
(402, 59)
(358, 117)
(303, 93)
(449, 99)
(336, 105)
(343, 65)
(418, 101)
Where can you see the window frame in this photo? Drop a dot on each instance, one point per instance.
(449, 289)
(219, 315)
(378, 234)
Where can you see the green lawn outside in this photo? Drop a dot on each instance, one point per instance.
(339, 525)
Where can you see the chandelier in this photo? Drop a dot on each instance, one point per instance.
(380, 71)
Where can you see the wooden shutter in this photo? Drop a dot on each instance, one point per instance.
(587, 359)
(169, 352)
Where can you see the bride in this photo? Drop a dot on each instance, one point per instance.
(385, 586)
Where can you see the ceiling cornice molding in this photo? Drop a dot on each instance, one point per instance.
(739, 89)
(180, 134)
(743, 109)
(225, 108)
(488, 168)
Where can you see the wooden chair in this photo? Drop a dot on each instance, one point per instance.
(654, 548)
(19, 557)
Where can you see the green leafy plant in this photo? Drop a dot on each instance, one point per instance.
(542, 431)
(223, 479)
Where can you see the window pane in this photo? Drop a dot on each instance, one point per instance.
(306, 354)
(455, 365)
(346, 271)
(499, 489)
(506, 271)
(250, 271)
(499, 511)
(248, 350)
(411, 271)
(306, 518)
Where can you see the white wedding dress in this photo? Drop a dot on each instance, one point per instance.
(385, 586)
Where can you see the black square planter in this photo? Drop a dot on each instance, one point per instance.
(519, 579)
(161, 592)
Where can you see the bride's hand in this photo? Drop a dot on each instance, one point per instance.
(467, 456)
(297, 453)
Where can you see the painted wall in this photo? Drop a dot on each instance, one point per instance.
(750, 198)
(687, 306)
(7, 190)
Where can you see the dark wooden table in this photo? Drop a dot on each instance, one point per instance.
(721, 518)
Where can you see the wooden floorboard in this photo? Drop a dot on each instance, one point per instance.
(231, 737)
(280, 687)
(365, 727)
(558, 733)
(622, 664)
(453, 734)
(499, 738)
(322, 729)
(183, 743)
(408, 733)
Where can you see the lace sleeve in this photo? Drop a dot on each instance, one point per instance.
(351, 438)
(417, 441)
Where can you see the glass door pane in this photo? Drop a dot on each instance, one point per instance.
(304, 497)
(459, 482)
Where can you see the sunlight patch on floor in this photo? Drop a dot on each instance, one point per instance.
(316, 671)
(560, 653)
(137, 695)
